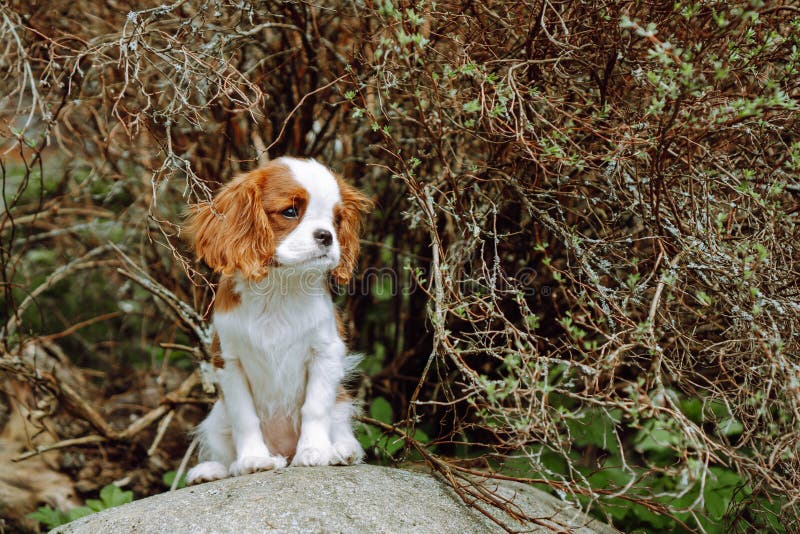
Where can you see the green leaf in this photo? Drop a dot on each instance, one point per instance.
(391, 444)
(617, 512)
(719, 491)
(365, 436)
(472, 106)
(80, 511)
(95, 504)
(655, 436)
(612, 475)
(595, 428)
(169, 477)
(658, 522)
(421, 436)
(730, 427)
(112, 496)
(693, 409)
(381, 410)
(49, 517)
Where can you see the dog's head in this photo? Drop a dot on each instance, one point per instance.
(291, 213)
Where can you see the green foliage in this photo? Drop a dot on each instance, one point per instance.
(382, 444)
(110, 496)
(169, 477)
(718, 490)
(52, 518)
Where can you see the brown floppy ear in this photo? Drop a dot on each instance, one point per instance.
(232, 233)
(348, 227)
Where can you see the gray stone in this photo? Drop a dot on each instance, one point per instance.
(364, 498)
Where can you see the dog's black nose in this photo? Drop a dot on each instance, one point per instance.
(323, 237)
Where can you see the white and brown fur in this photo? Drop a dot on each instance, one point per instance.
(277, 236)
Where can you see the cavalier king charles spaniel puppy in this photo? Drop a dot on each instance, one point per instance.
(277, 236)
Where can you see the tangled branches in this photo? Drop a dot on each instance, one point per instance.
(611, 202)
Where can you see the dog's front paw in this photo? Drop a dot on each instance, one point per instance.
(206, 472)
(311, 456)
(349, 451)
(253, 464)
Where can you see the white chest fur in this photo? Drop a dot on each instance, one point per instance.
(275, 333)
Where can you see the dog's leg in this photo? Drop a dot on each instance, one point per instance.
(325, 371)
(216, 447)
(344, 442)
(252, 453)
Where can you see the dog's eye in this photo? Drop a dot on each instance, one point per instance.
(290, 213)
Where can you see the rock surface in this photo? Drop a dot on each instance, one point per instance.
(364, 498)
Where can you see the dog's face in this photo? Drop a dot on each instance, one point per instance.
(292, 213)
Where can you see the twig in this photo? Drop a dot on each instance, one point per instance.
(651, 317)
(154, 415)
(55, 277)
(261, 149)
(42, 215)
(183, 464)
(81, 408)
(77, 326)
(85, 440)
(162, 427)
(183, 311)
(299, 105)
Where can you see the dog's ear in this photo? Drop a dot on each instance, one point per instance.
(232, 233)
(348, 215)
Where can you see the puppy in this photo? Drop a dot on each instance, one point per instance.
(277, 236)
